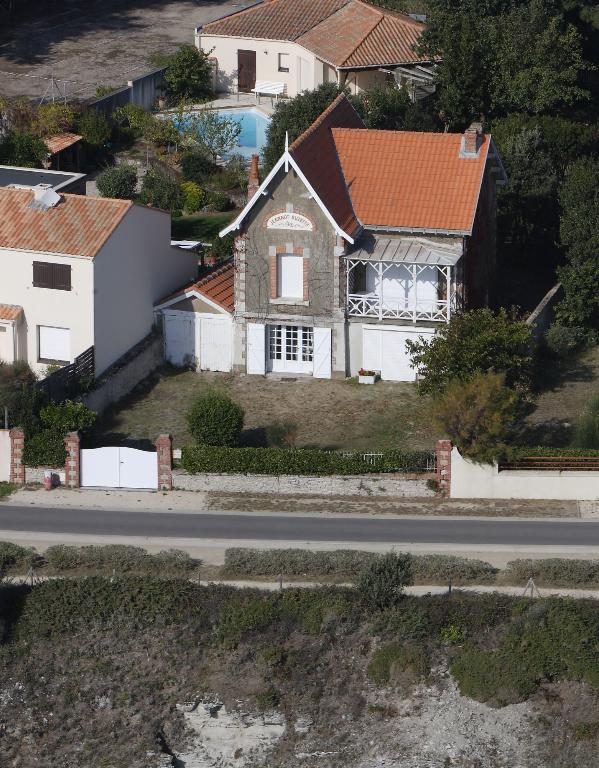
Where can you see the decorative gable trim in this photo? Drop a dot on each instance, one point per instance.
(287, 160)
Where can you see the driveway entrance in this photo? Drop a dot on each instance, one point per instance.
(119, 468)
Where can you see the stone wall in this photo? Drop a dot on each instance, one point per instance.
(293, 485)
(126, 373)
(543, 314)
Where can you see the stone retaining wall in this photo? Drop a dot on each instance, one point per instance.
(293, 485)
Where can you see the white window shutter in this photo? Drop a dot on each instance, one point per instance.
(256, 348)
(322, 353)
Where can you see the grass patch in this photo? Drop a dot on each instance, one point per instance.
(203, 226)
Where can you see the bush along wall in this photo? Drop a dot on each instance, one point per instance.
(278, 461)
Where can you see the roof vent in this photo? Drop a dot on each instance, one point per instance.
(471, 140)
(44, 197)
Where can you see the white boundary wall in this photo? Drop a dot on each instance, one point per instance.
(484, 481)
(4, 455)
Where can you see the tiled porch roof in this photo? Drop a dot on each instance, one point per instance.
(10, 312)
(407, 250)
(216, 286)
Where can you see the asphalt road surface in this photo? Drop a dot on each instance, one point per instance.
(557, 533)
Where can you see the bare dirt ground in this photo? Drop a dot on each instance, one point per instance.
(327, 413)
(91, 44)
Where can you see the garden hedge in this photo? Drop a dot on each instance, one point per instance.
(278, 461)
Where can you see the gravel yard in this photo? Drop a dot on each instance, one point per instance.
(97, 43)
(324, 413)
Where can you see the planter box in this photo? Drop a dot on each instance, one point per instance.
(367, 379)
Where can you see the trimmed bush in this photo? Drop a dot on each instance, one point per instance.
(381, 584)
(46, 448)
(557, 571)
(398, 657)
(300, 461)
(119, 182)
(438, 569)
(13, 557)
(215, 420)
(118, 557)
(563, 340)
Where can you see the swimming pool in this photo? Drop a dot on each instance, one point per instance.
(253, 130)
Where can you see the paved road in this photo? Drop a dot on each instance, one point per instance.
(563, 533)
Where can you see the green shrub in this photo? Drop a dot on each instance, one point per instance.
(47, 446)
(281, 434)
(398, 657)
(219, 201)
(453, 634)
(586, 432)
(161, 191)
(563, 340)
(194, 196)
(268, 699)
(300, 461)
(14, 557)
(120, 558)
(222, 247)
(189, 73)
(93, 125)
(118, 182)
(196, 166)
(382, 582)
(215, 420)
(557, 572)
(439, 569)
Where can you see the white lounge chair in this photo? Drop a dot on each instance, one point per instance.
(268, 88)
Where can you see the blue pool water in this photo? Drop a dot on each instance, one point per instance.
(253, 130)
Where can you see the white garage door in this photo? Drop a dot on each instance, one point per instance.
(384, 350)
(205, 343)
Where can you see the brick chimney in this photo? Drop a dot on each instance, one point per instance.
(472, 139)
(253, 178)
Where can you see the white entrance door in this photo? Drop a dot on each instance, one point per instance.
(216, 343)
(180, 338)
(384, 350)
(119, 468)
(290, 349)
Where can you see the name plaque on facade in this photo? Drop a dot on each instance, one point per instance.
(287, 220)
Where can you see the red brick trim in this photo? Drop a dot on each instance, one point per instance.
(164, 456)
(72, 466)
(17, 445)
(443, 471)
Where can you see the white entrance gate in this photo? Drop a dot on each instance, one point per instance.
(4, 455)
(119, 468)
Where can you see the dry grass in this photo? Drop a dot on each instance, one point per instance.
(327, 414)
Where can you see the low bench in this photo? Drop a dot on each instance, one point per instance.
(268, 88)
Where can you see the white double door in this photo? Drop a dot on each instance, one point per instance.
(205, 342)
(384, 350)
(290, 349)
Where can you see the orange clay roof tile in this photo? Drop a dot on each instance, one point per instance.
(216, 286)
(10, 311)
(77, 226)
(57, 143)
(345, 33)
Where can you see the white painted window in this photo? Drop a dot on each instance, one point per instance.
(283, 62)
(54, 343)
(290, 276)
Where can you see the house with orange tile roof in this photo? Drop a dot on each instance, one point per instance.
(300, 44)
(357, 241)
(80, 272)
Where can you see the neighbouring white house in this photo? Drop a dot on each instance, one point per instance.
(301, 44)
(78, 272)
(357, 241)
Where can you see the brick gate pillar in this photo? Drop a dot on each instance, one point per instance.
(17, 445)
(164, 456)
(72, 466)
(443, 453)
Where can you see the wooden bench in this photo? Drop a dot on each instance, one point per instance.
(268, 88)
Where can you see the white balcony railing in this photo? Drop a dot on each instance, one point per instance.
(371, 305)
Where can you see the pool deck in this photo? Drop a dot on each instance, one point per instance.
(240, 101)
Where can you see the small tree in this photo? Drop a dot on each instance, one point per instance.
(194, 197)
(119, 182)
(215, 134)
(381, 584)
(95, 129)
(132, 116)
(197, 166)
(472, 343)
(19, 393)
(215, 419)
(189, 74)
(22, 149)
(478, 416)
(51, 119)
(161, 191)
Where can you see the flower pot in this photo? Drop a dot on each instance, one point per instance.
(366, 379)
(48, 479)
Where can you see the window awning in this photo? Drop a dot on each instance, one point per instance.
(407, 250)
